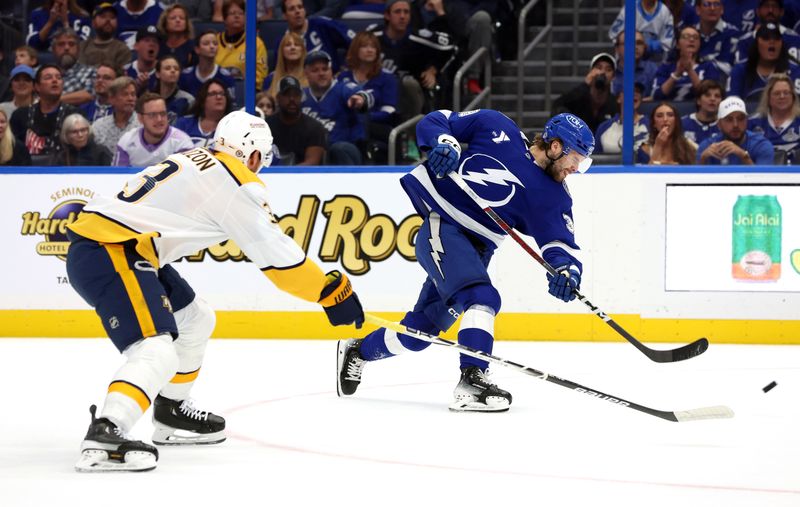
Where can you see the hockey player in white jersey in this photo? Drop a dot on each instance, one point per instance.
(121, 247)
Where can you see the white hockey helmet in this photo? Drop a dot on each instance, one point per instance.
(239, 134)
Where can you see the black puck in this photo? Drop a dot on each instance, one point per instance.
(769, 386)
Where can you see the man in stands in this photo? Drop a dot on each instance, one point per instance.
(109, 129)
(104, 47)
(100, 106)
(143, 69)
(702, 124)
(299, 138)
(155, 140)
(735, 144)
(592, 100)
(78, 78)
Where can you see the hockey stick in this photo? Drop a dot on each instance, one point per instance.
(696, 414)
(660, 356)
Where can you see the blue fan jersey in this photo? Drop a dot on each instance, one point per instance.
(784, 137)
(697, 131)
(499, 168)
(341, 122)
(327, 35)
(128, 24)
(738, 87)
(191, 125)
(190, 82)
(383, 88)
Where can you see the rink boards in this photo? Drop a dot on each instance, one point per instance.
(657, 250)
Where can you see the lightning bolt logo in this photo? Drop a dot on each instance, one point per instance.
(436, 242)
(492, 176)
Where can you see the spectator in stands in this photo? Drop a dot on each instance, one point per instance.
(414, 57)
(55, 15)
(266, 103)
(364, 64)
(192, 78)
(79, 146)
(265, 10)
(778, 117)
(717, 37)
(319, 33)
(734, 144)
(230, 54)
(168, 71)
(655, 22)
(133, 15)
(143, 68)
(78, 78)
(109, 129)
(101, 105)
(37, 126)
(21, 89)
(666, 144)
(155, 140)
(609, 133)
(26, 55)
(768, 11)
(470, 25)
(291, 55)
(683, 12)
(702, 124)
(104, 47)
(213, 102)
(336, 105)
(742, 14)
(592, 100)
(644, 72)
(12, 151)
(678, 79)
(768, 56)
(177, 35)
(299, 139)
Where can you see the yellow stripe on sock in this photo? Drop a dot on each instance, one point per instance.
(131, 391)
(184, 378)
(132, 287)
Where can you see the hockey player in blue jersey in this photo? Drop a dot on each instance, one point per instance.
(524, 183)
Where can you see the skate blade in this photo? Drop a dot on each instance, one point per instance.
(164, 435)
(99, 460)
(470, 405)
(340, 350)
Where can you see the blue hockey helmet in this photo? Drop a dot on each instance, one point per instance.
(573, 133)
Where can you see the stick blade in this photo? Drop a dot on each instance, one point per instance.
(682, 353)
(699, 414)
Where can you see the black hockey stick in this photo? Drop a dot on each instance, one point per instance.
(696, 414)
(660, 356)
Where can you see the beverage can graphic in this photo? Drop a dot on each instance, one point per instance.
(757, 228)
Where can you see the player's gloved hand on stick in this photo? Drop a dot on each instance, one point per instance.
(340, 303)
(443, 158)
(565, 284)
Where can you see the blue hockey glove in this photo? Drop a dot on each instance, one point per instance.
(565, 284)
(340, 303)
(443, 158)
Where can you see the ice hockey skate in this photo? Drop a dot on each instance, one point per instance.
(476, 393)
(180, 423)
(107, 449)
(349, 365)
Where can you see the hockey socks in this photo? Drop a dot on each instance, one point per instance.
(477, 332)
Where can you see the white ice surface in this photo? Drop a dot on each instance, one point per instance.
(291, 441)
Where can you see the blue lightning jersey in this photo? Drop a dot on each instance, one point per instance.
(128, 22)
(741, 14)
(499, 168)
(327, 35)
(784, 137)
(697, 131)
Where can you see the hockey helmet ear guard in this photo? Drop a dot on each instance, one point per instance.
(239, 134)
(575, 136)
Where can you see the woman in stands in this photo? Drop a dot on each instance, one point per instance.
(11, 152)
(778, 116)
(768, 56)
(231, 43)
(678, 79)
(291, 54)
(213, 102)
(666, 144)
(177, 34)
(168, 71)
(266, 103)
(54, 15)
(79, 146)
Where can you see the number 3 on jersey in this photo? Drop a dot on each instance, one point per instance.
(148, 181)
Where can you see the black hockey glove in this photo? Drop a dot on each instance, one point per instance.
(340, 303)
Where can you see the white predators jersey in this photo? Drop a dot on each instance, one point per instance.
(193, 200)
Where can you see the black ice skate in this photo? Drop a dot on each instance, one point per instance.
(475, 393)
(180, 423)
(107, 449)
(349, 365)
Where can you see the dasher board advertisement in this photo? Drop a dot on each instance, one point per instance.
(731, 237)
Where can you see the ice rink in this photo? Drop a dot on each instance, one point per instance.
(291, 441)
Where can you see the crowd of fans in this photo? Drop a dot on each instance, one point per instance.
(123, 83)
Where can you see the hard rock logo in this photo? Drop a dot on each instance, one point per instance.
(53, 227)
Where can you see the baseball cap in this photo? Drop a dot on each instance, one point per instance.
(390, 3)
(317, 56)
(103, 7)
(604, 56)
(288, 83)
(769, 31)
(147, 31)
(22, 69)
(731, 105)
